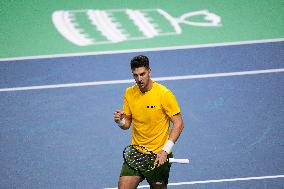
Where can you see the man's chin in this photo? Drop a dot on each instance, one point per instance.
(141, 87)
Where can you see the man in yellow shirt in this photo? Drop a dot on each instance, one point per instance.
(149, 107)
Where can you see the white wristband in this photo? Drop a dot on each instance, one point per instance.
(168, 146)
(121, 122)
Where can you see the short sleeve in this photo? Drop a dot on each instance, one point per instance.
(126, 108)
(170, 104)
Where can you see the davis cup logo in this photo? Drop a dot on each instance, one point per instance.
(95, 27)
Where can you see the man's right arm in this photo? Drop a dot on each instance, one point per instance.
(123, 121)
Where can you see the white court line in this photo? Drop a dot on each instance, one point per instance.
(184, 77)
(216, 181)
(144, 50)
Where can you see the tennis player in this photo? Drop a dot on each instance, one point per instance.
(149, 107)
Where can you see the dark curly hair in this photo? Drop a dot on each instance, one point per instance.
(139, 61)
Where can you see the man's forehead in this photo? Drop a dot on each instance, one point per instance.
(139, 70)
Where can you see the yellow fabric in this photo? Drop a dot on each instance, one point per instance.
(150, 112)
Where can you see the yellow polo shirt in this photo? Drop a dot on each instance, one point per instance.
(150, 112)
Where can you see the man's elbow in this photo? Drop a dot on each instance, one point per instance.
(181, 126)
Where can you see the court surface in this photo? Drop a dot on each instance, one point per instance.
(63, 136)
(57, 100)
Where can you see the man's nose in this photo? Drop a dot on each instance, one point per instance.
(139, 78)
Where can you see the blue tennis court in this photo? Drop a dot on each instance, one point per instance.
(57, 129)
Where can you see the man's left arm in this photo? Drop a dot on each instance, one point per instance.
(177, 127)
(176, 130)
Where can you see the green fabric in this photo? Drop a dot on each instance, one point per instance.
(159, 174)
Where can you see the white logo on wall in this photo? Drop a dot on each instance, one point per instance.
(95, 27)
